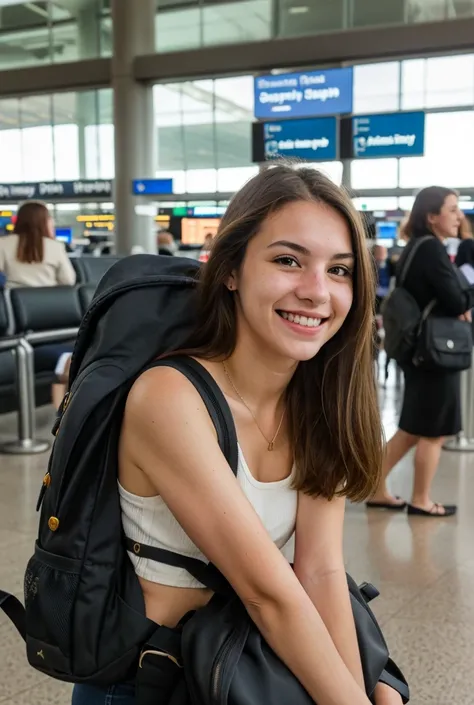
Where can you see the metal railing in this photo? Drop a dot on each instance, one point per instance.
(464, 441)
(22, 347)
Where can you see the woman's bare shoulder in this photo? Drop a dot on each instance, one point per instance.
(164, 396)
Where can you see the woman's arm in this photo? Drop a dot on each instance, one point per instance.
(444, 281)
(169, 435)
(319, 566)
(65, 273)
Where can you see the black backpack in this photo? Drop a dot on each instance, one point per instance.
(85, 615)
(401, 313)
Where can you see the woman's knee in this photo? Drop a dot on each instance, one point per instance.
(436, 442)
(409, 439)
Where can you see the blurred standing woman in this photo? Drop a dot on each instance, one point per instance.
(432, 402)
(464, 253)
(32, 256)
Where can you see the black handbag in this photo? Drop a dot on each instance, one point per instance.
(442, 342)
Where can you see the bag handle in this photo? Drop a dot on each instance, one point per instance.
(425, 314)
(405, 265)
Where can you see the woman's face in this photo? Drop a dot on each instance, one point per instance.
(295, 286)
(446, 223)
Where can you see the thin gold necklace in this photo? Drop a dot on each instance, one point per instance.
(271, 443)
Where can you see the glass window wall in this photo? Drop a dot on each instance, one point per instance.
(58, 137)
(184, 24)
(204, 133)
(35, 33)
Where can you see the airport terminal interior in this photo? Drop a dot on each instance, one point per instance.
(134, 120)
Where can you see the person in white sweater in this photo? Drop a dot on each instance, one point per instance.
(32, 256)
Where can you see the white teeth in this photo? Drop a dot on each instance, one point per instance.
(301, 320)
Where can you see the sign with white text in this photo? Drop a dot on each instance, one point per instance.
(315, 93)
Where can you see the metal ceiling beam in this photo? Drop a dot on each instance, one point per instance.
(331, 48)
(76, 75)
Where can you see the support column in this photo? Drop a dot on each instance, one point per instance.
(88, 47)
(134, 34)
(346, 174)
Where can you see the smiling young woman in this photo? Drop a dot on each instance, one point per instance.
(285, 314)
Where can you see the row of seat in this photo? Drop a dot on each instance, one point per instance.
(35, 310)
(89, 270)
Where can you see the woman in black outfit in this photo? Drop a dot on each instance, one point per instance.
(432, 402)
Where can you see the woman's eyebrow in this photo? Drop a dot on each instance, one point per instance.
(343, 255)
(304, 250)
(291, 246)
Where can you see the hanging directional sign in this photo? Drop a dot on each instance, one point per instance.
(399, 134)
(152, 187)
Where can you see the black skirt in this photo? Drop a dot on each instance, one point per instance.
(432, 403)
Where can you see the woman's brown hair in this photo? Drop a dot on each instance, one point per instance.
(333, 415)
(31, 226)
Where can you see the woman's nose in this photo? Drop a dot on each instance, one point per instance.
(314, 287)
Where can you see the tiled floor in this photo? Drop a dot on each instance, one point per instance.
(423, 568)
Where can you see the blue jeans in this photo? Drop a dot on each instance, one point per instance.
(121, 694)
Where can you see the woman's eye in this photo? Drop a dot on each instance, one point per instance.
(287, 261)
(341, 271)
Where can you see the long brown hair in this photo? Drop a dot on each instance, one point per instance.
(333, 416)
(31, 227)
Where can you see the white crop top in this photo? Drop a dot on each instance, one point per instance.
(148, 520)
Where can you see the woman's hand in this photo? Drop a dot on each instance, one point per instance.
(385, 695)
(466, 317)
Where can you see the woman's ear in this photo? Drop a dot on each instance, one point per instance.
(231, 283)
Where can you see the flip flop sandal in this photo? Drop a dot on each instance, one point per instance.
(387, 505)
(449, 511)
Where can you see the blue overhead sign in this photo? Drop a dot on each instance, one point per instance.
(304, 94)
(392, 135)
(152, 187)
(312, 140)
(56, 190)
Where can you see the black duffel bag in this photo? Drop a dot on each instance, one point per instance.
(226, 660)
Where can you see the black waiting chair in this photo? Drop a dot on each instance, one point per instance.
(90, 270)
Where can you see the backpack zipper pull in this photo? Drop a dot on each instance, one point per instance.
(44, 487)
(62, 408)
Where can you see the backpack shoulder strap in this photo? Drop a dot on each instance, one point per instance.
(14, 611)
(214, 400)
(405, 264)
(216, 404)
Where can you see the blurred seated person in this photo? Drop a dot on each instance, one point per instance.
(383, 274)
(394, 252)
(60, 387)
(32, 256)
(206, 247)
(166, 243)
